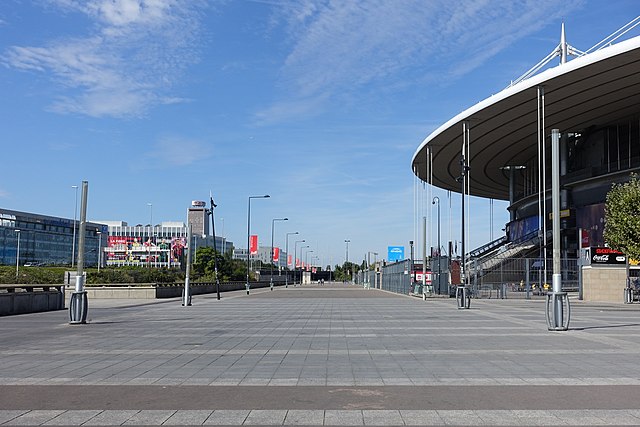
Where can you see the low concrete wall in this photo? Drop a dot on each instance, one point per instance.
(173, 291)
(153, 290)
(30, 299)
(119, 292)
(604, 283)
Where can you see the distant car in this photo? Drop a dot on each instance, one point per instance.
(29, 264)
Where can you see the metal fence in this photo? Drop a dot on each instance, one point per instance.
(501, 278)
(520, 275)
(396, 278)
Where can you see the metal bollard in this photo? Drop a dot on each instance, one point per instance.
(463, 297)
(78, 308)
(186, 302)
(628, 295)
(557, 306)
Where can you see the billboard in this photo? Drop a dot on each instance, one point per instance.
(607, 256)
(395, 253)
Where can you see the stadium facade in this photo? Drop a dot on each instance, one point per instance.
(593, 100)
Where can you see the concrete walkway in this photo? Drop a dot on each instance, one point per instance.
(321, 355)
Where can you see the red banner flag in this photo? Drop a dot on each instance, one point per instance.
(585, 239)
(297, 263)
(253, 244)
(276, 254)
(288, 260)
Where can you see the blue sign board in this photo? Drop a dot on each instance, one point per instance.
(395, 253)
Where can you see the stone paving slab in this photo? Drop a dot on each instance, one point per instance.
(335, 417)
(313, 355)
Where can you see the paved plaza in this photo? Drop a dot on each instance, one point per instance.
(332, 355)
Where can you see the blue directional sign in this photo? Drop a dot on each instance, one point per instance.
(395, 253)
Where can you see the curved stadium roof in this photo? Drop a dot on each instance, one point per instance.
(593, 89)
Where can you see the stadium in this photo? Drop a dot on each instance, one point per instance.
(500, 148)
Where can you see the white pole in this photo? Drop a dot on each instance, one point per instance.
(75, 213)
(18, 255)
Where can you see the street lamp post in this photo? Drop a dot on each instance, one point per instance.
(295, 269)
(306, 257)
(150, 215)
(369, 267)
(75, 212)
(436, 201)
(215, 248)
(224, 240)
(306, 262)
(150, 234)
(273, 221)
(99, 233)
(301, 248)
(346, 262)
(17, 255)
(249, 234)
(286, 246)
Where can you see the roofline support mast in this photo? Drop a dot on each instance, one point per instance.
(463, 296)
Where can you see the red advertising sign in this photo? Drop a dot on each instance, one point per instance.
(253, 244)
(288, 260)
(419, 276)
(585, 239)
(276, 254)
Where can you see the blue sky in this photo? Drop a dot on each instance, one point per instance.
(320, 104)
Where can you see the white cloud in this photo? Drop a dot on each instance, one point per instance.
(177, 151)
(127, 62)
(338, 48)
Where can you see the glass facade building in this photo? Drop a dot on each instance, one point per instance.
(46, 240)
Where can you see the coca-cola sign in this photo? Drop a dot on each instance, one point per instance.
(607, 256)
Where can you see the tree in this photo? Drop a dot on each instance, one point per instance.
(229, 269)
(622, 217)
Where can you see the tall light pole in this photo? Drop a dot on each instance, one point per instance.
(295, 253)
(436, 201)
(78, 304)
(273, 221)
(75, 213)
(301, 248)
(215, 249)
(346, 262)
(150, 214)
(150, 221)
(249, 234)
(306, 262)
(99, 233)
(224, 240)
(369, 265)
(17, 255)
(286, 246)
(306, 257)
